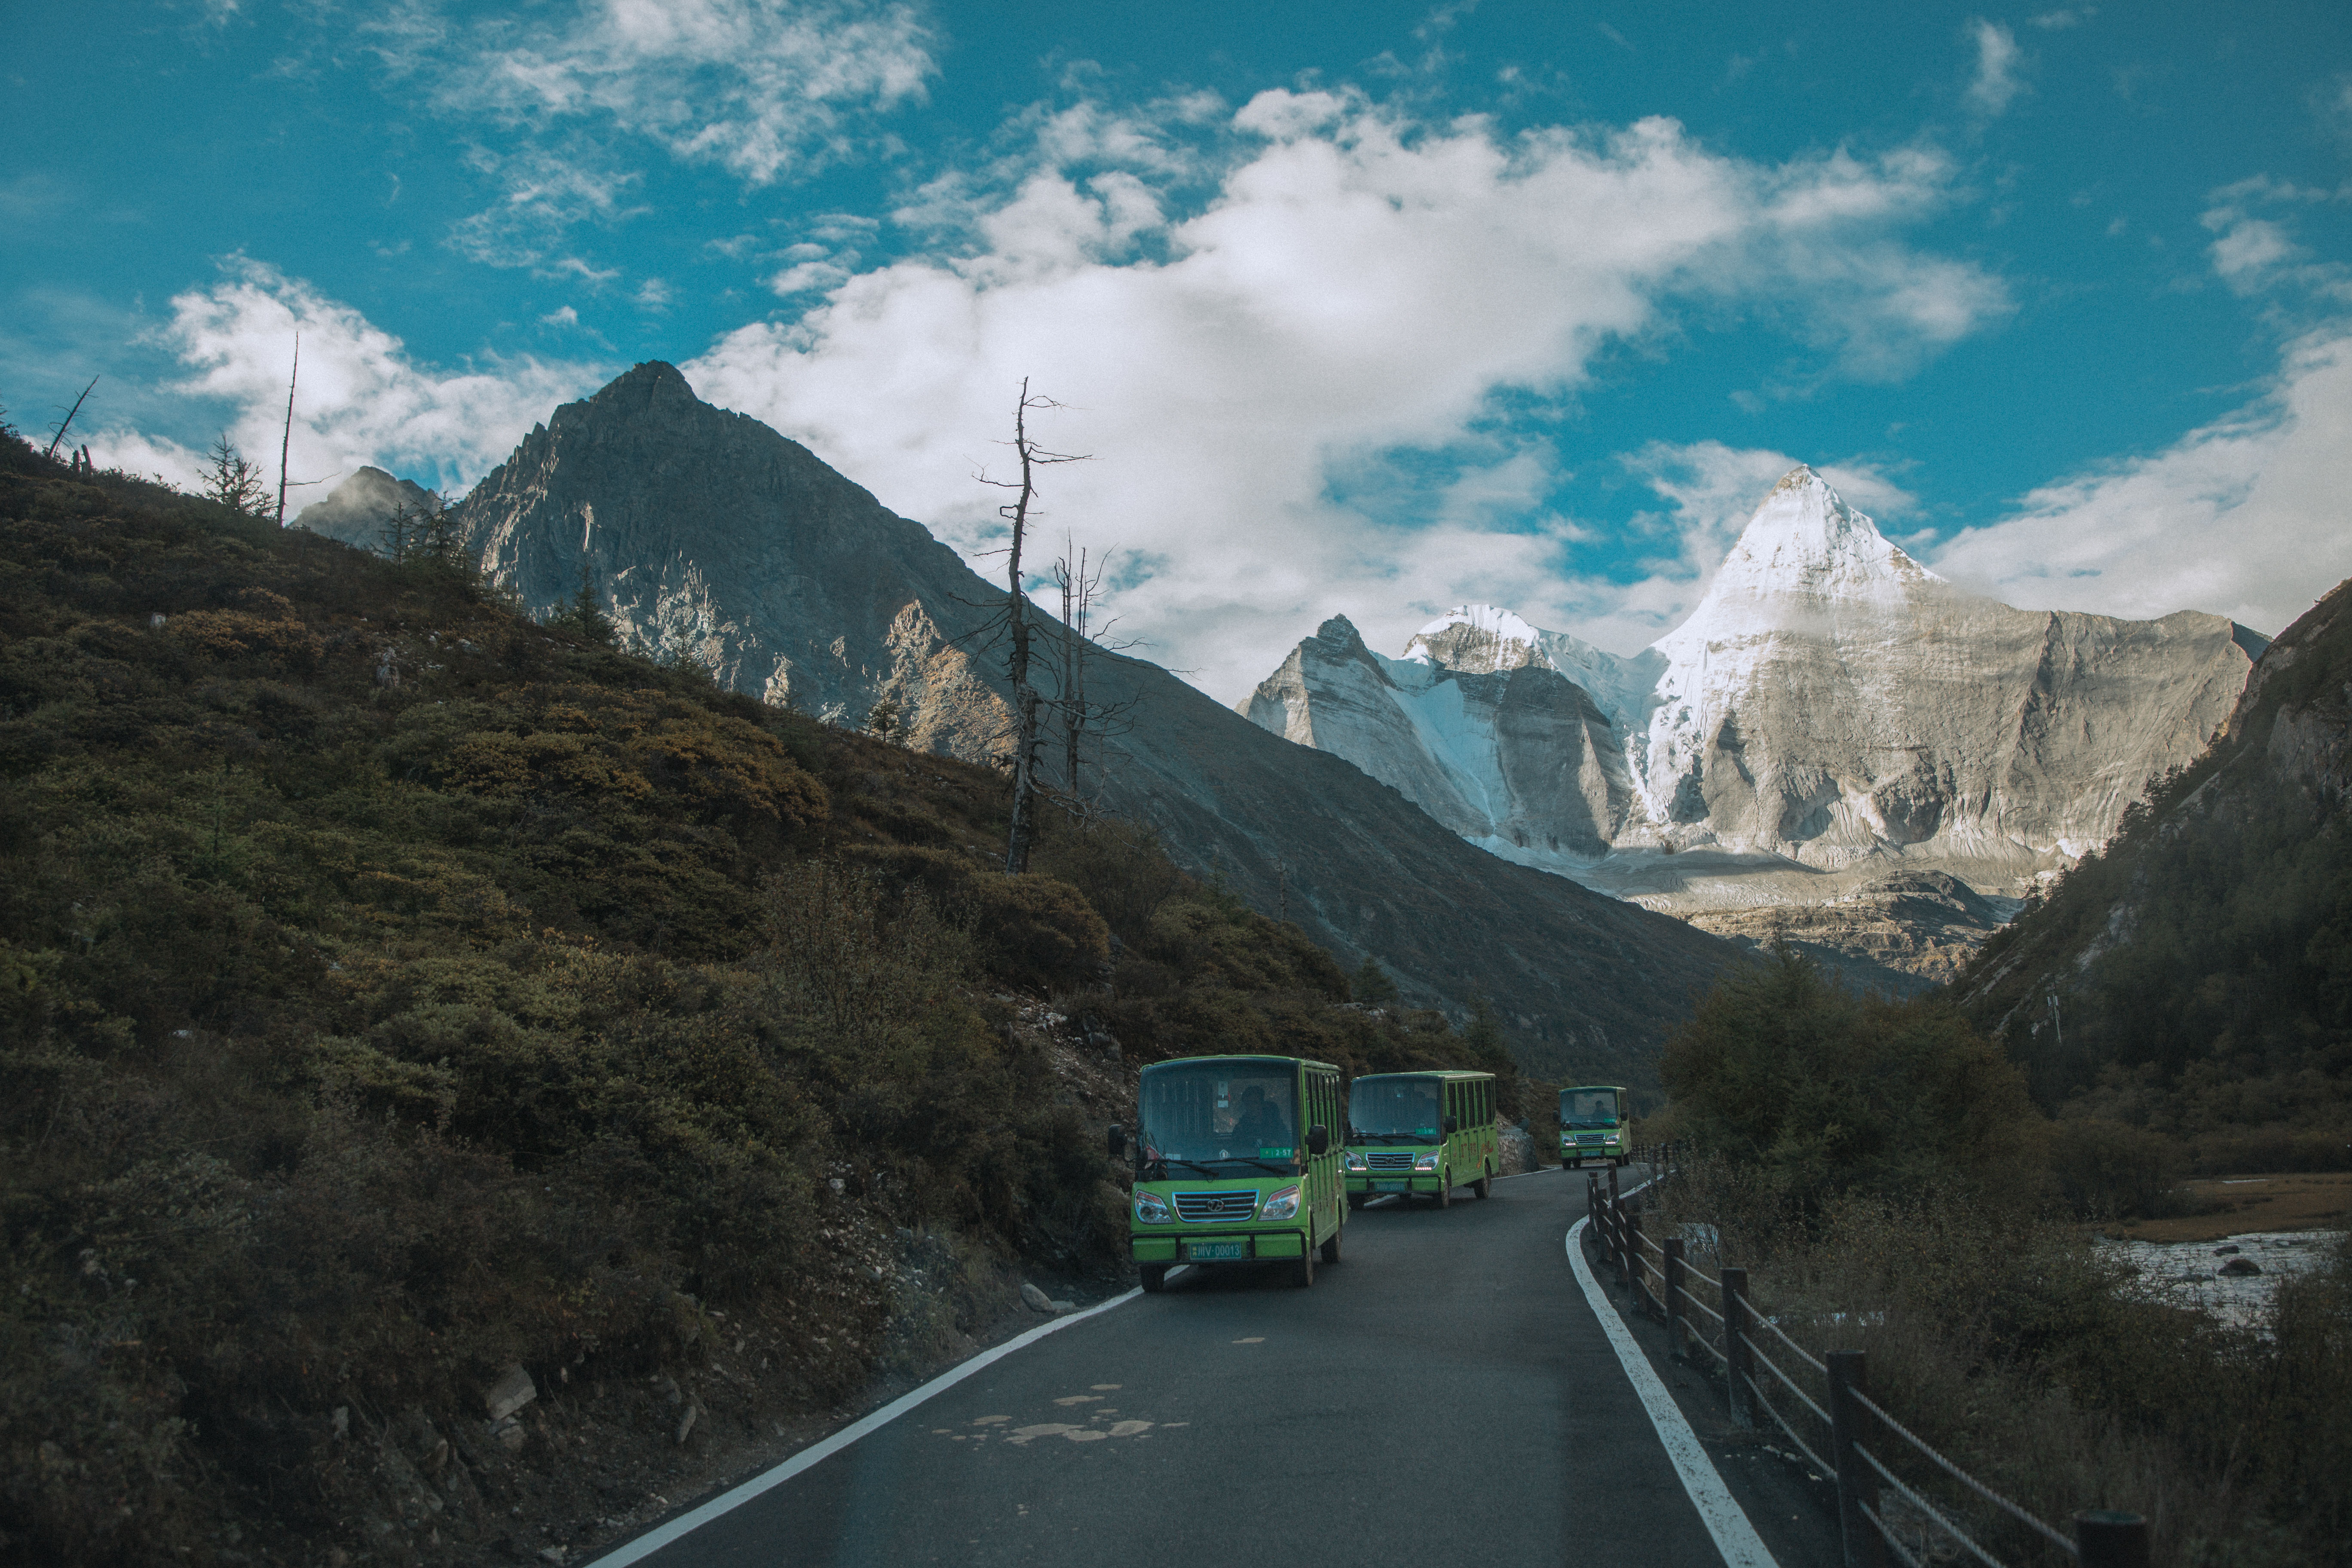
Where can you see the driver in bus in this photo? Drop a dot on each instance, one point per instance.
(1257, 1125)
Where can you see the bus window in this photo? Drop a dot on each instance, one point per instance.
(1589, 1108)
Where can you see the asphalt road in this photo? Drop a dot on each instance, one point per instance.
(1441, 1395)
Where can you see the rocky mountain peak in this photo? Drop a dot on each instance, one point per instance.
(1340, 632)
(1478, 639)
(357, 510)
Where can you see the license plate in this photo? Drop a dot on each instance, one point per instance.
(1213, 1251)
(1390, 1186)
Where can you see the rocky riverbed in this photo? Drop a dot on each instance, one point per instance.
(2235, 1278)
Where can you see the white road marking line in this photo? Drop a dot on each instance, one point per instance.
(1734, 1536)
(654, 1540)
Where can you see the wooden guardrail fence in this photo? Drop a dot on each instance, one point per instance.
(1860, 1434)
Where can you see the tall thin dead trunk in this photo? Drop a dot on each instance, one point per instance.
(1024, 695)
(286, 441)
(1025, 700)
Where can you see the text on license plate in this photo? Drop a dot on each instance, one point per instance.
(1208, 1251)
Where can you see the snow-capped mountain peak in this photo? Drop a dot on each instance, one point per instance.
(1477, 638)
(1805, 541)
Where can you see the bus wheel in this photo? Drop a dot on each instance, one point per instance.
(1485, 1186)
(1445, 1189)
(1331, 1248)
(1304, 1275)
(1355, 1200)
(1155, 1276)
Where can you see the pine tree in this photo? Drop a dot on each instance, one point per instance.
(231, 480)
(1371, 985)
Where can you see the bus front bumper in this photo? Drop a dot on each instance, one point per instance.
(1167, 1245)
(1395, 1182)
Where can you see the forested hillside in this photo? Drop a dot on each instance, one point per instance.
(395, 990)
(2194, 977)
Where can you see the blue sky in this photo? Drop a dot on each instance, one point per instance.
(1368, 310)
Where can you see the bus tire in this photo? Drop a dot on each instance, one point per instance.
(1155, 1276)
(1303, 1272)
(1356, 1200)
(1445, 1189)
(1485, 1185)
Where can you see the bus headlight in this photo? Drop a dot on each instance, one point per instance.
(1425, 1161)
(1283, 1205)
(1151, 1208)
(1355, 1162)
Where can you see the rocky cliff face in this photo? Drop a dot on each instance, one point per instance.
(1831, 714)
(2192, 977)
(716, 539)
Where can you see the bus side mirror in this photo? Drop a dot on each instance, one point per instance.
(1318, 1140)
(1118, 1141)
(1453, 1126)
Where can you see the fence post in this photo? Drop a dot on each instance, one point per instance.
(1740, 1366)
(2106, 1538)
(1635, 1261)
(1858, 1483)
(1599, 1216)
(1673, 1245)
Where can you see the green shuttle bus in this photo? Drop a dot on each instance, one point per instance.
(1421, 1132)
(1234, 1162)
(1593, 1125)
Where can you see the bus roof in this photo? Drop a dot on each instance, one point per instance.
(1423, 1072)
(1588, 1088)
(1251, 1057)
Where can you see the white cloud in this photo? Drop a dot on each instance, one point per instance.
(565, 316)
(759, 86)
(1359, 282)
(2242, 517)
(1996, 81)
(767, 90)
(362, 399)
(2255, 255)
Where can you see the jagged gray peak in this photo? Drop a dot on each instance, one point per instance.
(1505, 749)
(718, 539)
(712, 537)
(357, 510)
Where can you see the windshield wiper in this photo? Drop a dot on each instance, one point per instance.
(1280, 1170)
(1195, 1164)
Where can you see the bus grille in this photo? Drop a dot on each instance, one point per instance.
(1590, 1136)
(1216, 1206)
(1397, 1159)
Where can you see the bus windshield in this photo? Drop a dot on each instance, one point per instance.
(1203, 1114)
(1588, 1108)
(1393, 1108)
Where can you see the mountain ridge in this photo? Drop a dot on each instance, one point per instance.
(1831, 714)
(711, 537)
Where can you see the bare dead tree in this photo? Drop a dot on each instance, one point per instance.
(286, 441)
(1025, 700)
(67, 424)
(1079, 576)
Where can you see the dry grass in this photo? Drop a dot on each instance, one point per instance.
(2239, 1205)
(2010, 1345)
